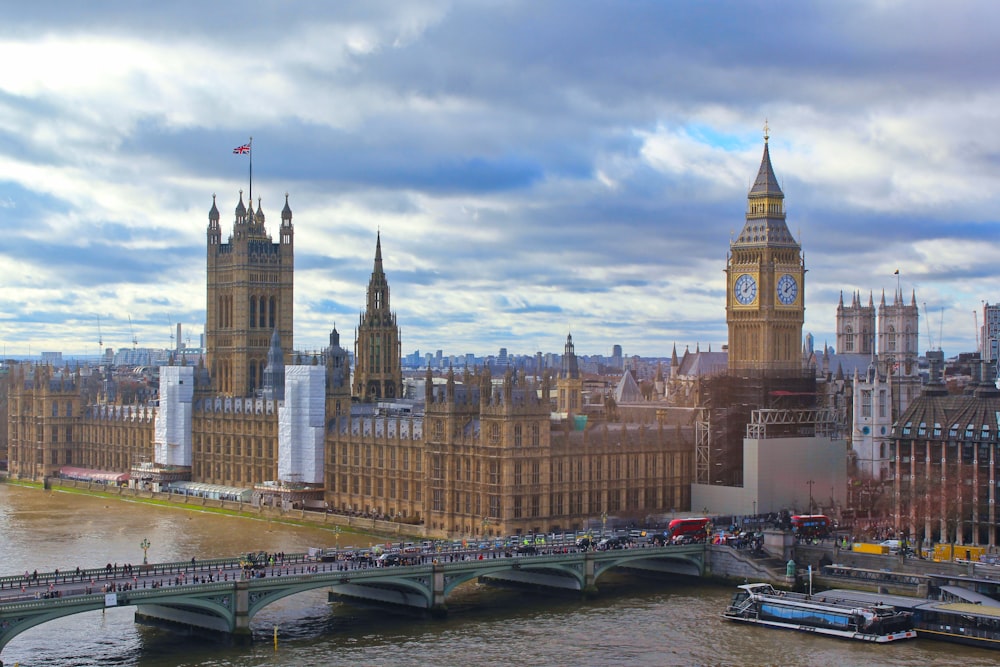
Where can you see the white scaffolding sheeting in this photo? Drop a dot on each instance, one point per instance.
(172, 429)
(301, 425)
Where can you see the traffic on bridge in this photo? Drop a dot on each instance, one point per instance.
(120, 577)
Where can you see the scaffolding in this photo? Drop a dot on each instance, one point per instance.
(784, 423)
(703, 447)
(726, 413)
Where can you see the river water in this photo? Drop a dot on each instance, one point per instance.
(633, 621)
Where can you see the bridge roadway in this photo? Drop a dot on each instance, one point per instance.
(224, 594)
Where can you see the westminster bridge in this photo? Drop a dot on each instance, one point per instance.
(223, 595)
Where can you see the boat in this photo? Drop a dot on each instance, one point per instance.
(960, 616)
(760, 603)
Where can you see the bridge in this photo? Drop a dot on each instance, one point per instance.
(223, 595)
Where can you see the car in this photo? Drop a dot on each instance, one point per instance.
(585, 542)
(526, 549)
(610, 543)
(388, 559)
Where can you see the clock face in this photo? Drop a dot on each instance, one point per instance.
(745, 289)
(788, 289)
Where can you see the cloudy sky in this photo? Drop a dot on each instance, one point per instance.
(535, 168)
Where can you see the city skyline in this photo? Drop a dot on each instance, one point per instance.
(533, 170)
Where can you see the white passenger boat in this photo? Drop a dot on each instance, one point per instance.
(762, 604)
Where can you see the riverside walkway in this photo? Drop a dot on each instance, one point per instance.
(224, 594)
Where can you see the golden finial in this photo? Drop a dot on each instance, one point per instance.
(766, 131)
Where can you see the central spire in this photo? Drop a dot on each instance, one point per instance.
(765, 215)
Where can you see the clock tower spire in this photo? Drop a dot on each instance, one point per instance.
(765, 272)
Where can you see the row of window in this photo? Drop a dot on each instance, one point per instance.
(351, 454)
(968, 433)
(231, 475)
(392, 489)
(255, 448)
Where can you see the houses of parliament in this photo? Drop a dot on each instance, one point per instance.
(474, 454)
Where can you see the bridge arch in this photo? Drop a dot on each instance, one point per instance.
(571, 572)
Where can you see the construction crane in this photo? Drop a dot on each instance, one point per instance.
(135, 341)
(930, 338)
(941, 329)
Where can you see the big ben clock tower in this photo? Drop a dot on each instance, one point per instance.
(765, 279)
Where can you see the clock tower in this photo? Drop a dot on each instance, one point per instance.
(765, 280)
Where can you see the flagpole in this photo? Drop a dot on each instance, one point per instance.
(250, 144)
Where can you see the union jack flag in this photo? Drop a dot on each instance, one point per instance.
(240, 150)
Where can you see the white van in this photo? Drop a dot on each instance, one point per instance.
(892, 544)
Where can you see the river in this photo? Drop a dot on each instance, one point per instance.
(633, 621)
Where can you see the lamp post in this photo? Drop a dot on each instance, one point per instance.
(810, 483)
(144, 545)
(486, 525)
(604, 521)
(336, 533)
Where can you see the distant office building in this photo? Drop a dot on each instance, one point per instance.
(617, 360)
(990, 333)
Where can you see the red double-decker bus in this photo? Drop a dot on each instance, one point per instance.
(811, 525)
(694, 529)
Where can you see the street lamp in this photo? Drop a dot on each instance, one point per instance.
(604, 521)
(486, 524)
(144, 545)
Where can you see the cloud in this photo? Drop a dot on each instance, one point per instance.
(534, 168)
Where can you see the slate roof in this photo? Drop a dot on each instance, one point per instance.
(937, 415)
(627, 390)
(695, 364)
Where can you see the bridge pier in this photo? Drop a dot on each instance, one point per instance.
(589, 589)
(439, 608)
(241, 612)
